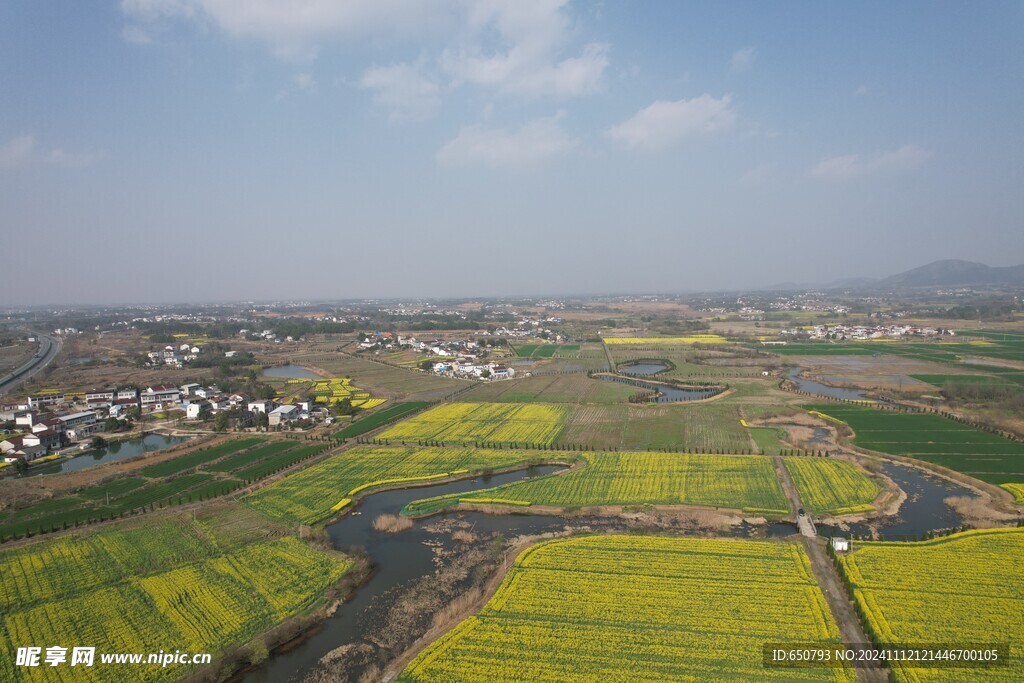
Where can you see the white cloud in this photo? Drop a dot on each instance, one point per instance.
(663, 124)
(522, 48)
(861, 90)
(743, 58)
(404, 90)
(292, 28)
(22, 151)
(305, 82)
(17, 151)
(906, 158)
(529, 57)
(535, 142)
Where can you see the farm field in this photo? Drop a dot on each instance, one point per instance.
(1009, 379)
(767, 440)
(618, 608)
(700, 427)
(195, 476)
(379, 419)
(310, 496)
(963, 588)
(949, 352)
(576, 388)
(470, 423)
(829, 486)
(383, 380)
(145, 587)
(932, 438)
(742, 482)
(666, 341)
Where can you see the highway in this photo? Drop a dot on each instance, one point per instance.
(49, 347)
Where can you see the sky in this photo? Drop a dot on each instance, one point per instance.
(221, 150)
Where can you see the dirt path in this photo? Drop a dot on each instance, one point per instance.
(803, 522)
(608, 355)
(841, 605)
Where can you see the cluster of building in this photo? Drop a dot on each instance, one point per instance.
(862, 332)
(45, 428)
(45, 434)
(265, 335)
(464, 367)
(175, 356)
(451, 348)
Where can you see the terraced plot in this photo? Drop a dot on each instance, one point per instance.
(961, 589)
(469, 423)
(622, 608)
(312, 494)
(746, 482)
(829, 486)
(932, 438)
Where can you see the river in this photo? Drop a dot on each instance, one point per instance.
(403, 558)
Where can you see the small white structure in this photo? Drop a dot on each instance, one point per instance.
(840, 544)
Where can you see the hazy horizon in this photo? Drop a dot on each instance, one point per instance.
(174, 151)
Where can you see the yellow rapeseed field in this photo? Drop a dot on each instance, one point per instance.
(830, 486)
(160, 586)
(666, 341)
(638, 608)
(964, 589)
(470, 423)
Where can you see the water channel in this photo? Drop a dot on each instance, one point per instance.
(924, 509)
(643, 368)
(667, 393)
(114, 451)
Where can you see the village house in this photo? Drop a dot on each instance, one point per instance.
(261, 406)
(193, 409)
(285, 414)
(160, 396)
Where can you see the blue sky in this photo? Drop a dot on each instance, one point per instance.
(196, 150)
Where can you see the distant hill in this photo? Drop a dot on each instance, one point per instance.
(955, 273)
(947, 273)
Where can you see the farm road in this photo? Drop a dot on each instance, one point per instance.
(841, 605)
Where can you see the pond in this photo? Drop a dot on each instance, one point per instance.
(118, 450)
(290, 372)
(643, 368)
(403, 558)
